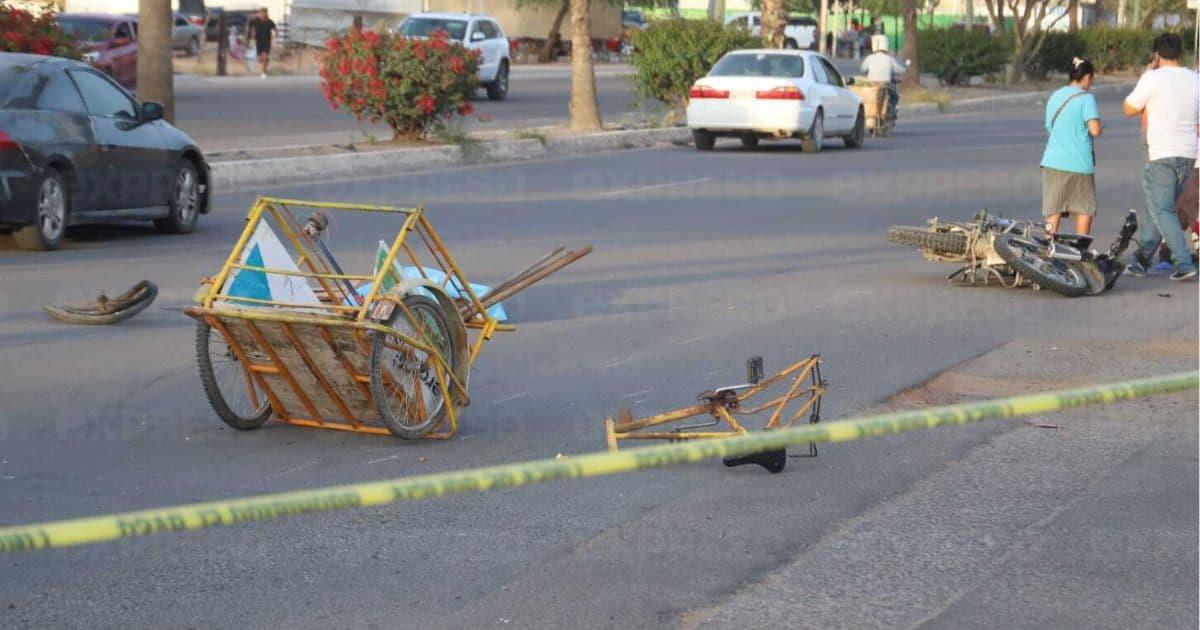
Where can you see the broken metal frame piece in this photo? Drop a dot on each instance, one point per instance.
(803, 381)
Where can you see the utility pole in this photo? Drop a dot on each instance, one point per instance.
(222, 43)
(155, 73)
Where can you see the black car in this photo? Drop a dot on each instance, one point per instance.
(76, 148)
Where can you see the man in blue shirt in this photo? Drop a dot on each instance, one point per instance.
(1069, 162)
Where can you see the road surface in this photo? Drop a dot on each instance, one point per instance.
(701, 260)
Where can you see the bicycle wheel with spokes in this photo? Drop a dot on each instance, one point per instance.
(404, 379)
(228, 385)
(1029, 258)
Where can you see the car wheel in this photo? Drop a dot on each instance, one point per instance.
(184, 203)
(855, 139)
(750, 142)
(50, 222)
(815, 140)
(704, 140)
(193, 47)
(498, 90)
(791, 44)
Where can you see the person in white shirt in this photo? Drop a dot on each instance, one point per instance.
(1169, 96)
(881, 67)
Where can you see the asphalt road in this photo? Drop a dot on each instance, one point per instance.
(246, 112)
(701, 260)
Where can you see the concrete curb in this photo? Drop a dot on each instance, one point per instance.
(986, 103)
(236, 175)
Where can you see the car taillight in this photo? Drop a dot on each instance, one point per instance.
(703, 91)
(198, 20)
(7, 143)
(782, 93)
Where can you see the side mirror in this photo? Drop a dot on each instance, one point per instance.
(477, 36)
(849, 80)
(151, 111)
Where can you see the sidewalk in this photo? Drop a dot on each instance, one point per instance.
(997, 536)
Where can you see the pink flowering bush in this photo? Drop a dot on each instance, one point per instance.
(409, 84)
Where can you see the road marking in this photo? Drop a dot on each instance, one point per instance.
(623, 191)
(644, 391)
(615, 362)
(381, 459)
(512, 397)
(688, 342)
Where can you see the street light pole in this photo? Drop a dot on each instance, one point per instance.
(155, 74)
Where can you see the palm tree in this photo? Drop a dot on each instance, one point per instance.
(585, 110)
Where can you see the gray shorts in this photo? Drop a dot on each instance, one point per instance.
(1063, 191)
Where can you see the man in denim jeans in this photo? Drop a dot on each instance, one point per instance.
(1169, 95)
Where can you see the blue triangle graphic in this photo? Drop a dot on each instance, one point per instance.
(249, 283)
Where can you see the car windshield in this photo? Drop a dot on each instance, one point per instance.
(85, 31)
(759, 65)
(424, 27)
(10, 76)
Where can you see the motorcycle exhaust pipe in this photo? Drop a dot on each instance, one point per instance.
(1063, 252)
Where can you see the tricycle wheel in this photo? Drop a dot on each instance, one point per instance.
(231, 391)
(404, 381)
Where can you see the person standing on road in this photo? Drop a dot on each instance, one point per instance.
(1069, 162)
(1169, 96)
(262, 31)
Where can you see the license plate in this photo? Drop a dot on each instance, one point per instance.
(743, 95)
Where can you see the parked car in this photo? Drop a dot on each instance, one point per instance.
(631, 19)
(233, 19)
(77, 148)
(800, 32)
(774, 94)
(478, 32)
(109, 42)
(186, 36)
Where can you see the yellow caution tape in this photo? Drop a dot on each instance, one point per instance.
(268, 506)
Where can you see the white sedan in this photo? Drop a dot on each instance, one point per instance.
(774, 94)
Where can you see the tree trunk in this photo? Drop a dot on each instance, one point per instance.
(774, 20)
(547, 53)
(585, 110)
(1121, 13)
(912, 76)
(155, 74)
(1073, 10)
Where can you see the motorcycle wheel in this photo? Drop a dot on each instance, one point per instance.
(947, 243)
(1025, 256)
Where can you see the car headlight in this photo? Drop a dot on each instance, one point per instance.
(91, 57)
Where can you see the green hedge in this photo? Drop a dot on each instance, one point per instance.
(1111, 49)
(670, 55)
(954, 55)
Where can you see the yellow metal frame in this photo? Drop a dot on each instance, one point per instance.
(802, 380)
(335, 310)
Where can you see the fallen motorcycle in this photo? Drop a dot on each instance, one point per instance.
(1019, 253)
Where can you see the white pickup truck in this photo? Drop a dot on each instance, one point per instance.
(800, 32)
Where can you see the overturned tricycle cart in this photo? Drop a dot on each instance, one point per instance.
(283, 331)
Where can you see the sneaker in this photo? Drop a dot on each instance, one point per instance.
(1136, 269)
(1183, 275)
